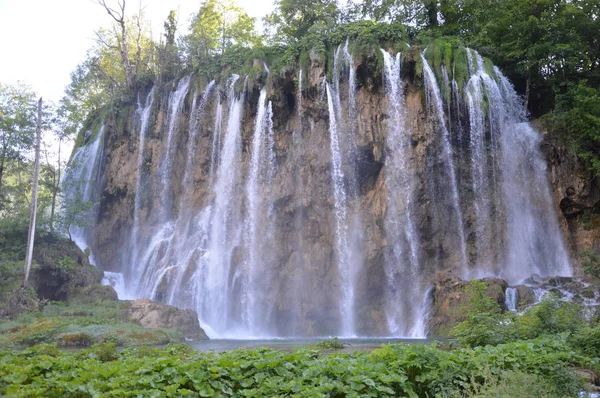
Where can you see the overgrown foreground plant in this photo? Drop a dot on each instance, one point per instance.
(542, 365)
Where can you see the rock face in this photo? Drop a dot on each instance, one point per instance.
(253, 235)
(451, 301)
(576, 192)
(150, 314)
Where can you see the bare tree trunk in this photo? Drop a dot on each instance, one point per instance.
(34, 194)
(118, 15)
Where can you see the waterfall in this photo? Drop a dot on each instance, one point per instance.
(328, 219)
(255, 211)
(436, 106)
(340, 204)
(195, 118)
(404, 285)
(216, 140)
(143, 114)
(175, 107)
(516, 230)
(81, 186)
(511, 299)
(479, 170)
(217, 305)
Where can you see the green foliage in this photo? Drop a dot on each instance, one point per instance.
(330, 344)
(394, 370)
(292, 20)
(587, 340)
(551, 316)
(106, 352)
(590, 263)
(577, 115)
(485, 323)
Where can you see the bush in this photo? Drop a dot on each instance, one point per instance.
(106, 352)
(330, 344)
(485, 323)
(551, 316)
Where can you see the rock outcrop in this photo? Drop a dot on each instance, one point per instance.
(60, 267)
(451, 300)
(151, 314)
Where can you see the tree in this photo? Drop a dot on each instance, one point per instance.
(17, 126)
(120, 32)
(218, 26)
(34, 194)
(292, 19)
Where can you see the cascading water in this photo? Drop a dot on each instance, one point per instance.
(258, 171)
(143, 114)
(512, 204)
(405, 317)
(436, 106)
(511, 297)
(341, 221)
(81, 185)
(244, 236)
(220, 280)
(175, 107)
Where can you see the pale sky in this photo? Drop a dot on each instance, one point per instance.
(42, 41)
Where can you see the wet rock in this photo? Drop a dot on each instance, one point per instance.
(526, 297)
(451, 301)
(589, 292)
(150, 314)
(556, 292)
(559, 281)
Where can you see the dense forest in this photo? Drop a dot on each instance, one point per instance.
(549, 50)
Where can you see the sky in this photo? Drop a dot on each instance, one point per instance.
(42, 41)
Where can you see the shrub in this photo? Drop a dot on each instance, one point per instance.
(485, 323)
(106, 352)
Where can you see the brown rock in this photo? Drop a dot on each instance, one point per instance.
(525, 295)
(151, 314)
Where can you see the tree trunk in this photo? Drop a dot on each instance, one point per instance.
(432, 13)
(34, 195)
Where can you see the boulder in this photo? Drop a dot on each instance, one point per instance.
(151, 314)
(526, 297)
(59, 268)
(451, 301)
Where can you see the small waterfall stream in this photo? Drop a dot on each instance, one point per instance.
(81, 185)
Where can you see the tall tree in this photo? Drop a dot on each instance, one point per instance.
(219, 25)
(34, 194)
(292, 19)
(120, 40)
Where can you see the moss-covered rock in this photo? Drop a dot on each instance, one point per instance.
(451, 301)
(60, 267)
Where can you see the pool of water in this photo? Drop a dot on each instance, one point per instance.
(356, 344)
